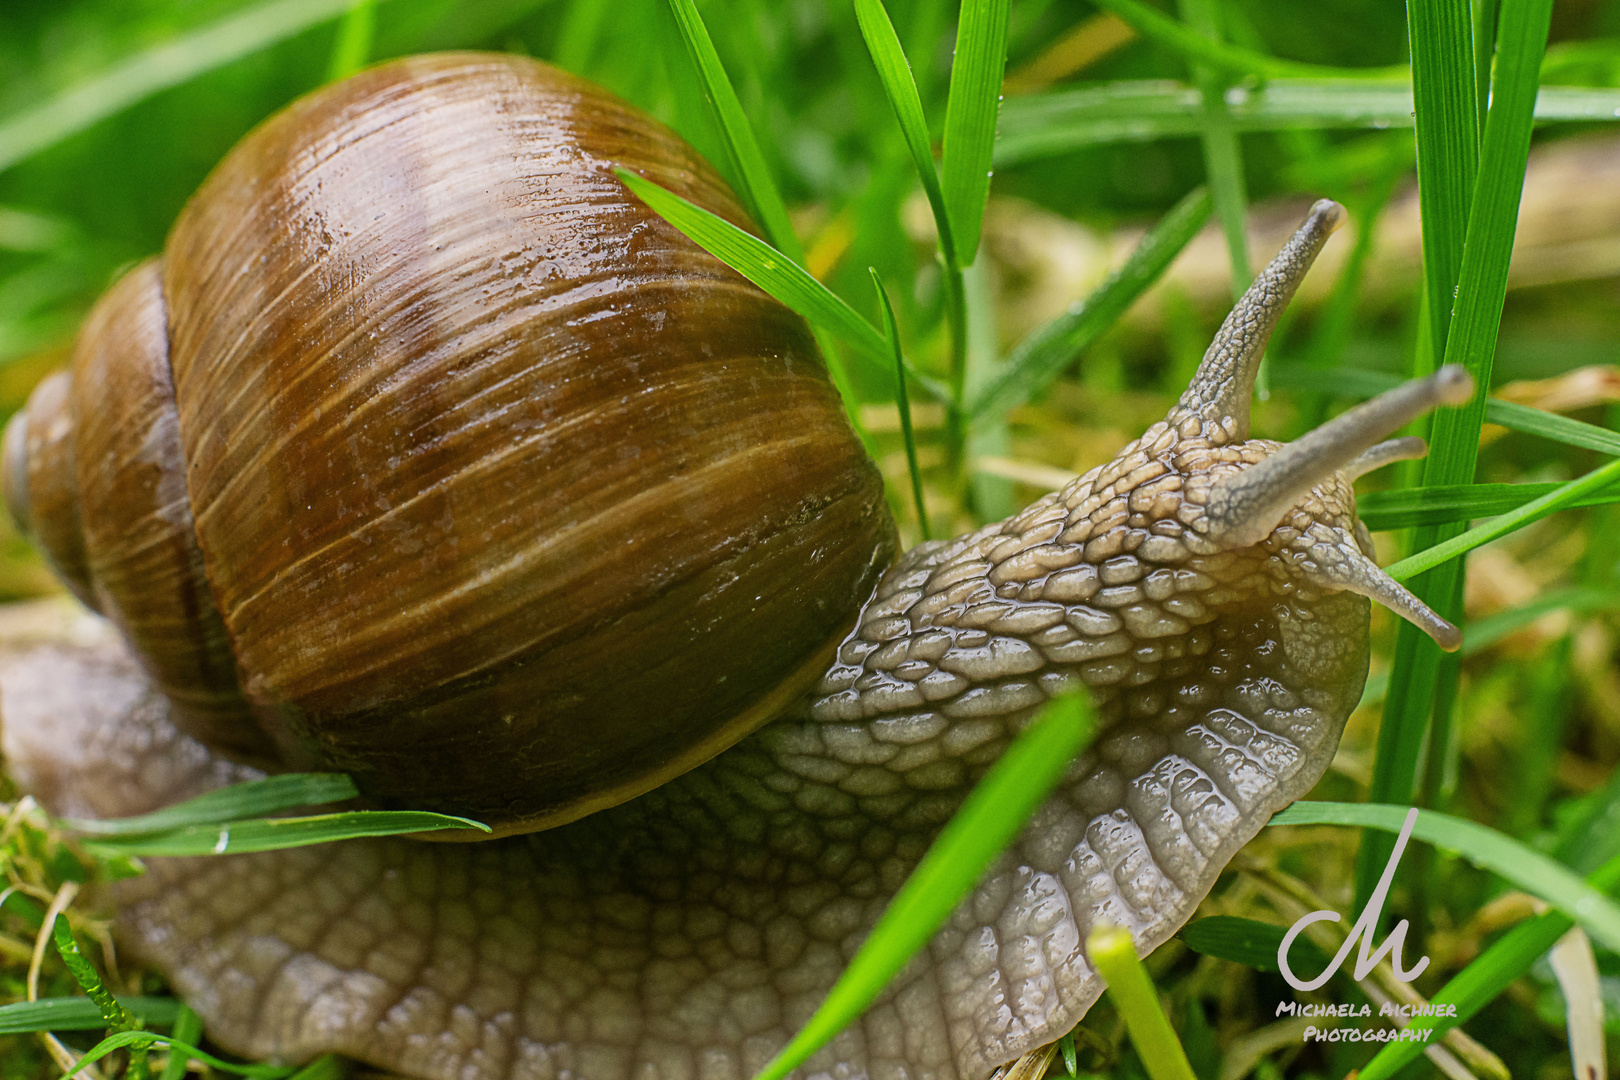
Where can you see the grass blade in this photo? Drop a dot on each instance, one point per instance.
(1536, 509)
(1071, 1058)
(1251, 943)
(325, 1067)
(1484, 29)
(276, 834)
(1481, 283)
(1509, 957)
(254, 798)
(1487, 849)
(970, 119)
(82, 1014)
(1042, 356)
(1382, 511)
(1531, 421)
(145, 1040)
(113, 1014)
(899, 87)
(1038, 126)
(778, 275)
(1180, 38)
(894, 71)
(1223, 156)
(748, 164)
(140, 76)
(986, 823)
(188, 1028)
(1045, 125)
(903, 401)
(1441, 37)
(353, 46)
(1443, 84)
(1113, 954)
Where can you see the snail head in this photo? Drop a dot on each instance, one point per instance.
(1197, 569)
(1284, 513)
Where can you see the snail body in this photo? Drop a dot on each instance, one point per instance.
(1209, 589)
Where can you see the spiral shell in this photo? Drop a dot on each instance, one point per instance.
(419, 411)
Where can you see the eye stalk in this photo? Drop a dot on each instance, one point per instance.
(1221, 388)
(1243, 507)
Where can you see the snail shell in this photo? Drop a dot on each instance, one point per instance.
(429, 454)
(1210, 590)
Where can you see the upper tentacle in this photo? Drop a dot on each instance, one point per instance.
(1221, 388)
(1243, 507)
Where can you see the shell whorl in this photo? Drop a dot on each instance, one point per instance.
(113, 478)
(41, 485)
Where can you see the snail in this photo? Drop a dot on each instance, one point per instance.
(350, 319)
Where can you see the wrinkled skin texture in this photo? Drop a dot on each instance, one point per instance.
(688, 933)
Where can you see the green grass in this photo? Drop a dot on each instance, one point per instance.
(986, 823)
(254, 798)
(970, 120)
(893, 69)
(1113, 954)
(836, 125)
(229, 820)
(891, 331)
(144, 74)
(1557, 499)
(81, 1014)
(1486, 848)
(1223, 154)
(1058, 122)
(1469, 210)
(355, 38)
(746, 165)
(1051, 348)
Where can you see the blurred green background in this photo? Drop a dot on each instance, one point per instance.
(86, 204)
(179, 81)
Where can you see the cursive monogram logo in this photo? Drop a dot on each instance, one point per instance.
(1363, 930)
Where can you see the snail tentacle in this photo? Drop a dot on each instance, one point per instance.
(1338, 562)
(1220, 389)
(1244, 507)
(1409, 448)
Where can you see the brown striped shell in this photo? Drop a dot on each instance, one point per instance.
(427, 453)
